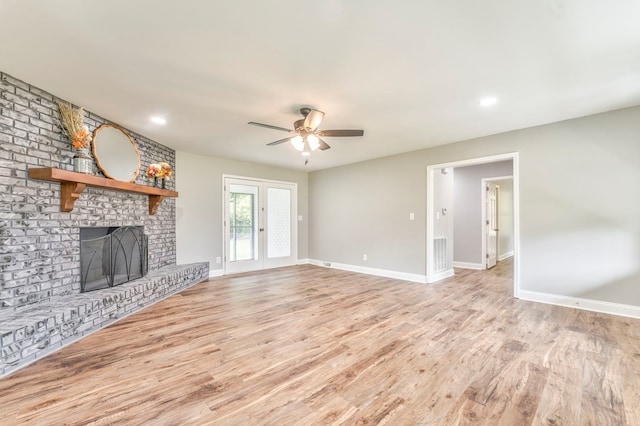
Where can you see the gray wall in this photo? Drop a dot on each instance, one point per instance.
(199, 208)
(467, 232)
(39, 245)
(505, 217)
(364, 209)
(579, 209)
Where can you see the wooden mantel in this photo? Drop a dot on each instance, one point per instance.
(72, 184)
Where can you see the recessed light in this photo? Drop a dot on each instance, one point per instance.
(306, 153)
(158, 120)
(488, 101)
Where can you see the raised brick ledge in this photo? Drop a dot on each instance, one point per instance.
(31, 332)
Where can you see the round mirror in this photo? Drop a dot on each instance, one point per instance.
(116, 153)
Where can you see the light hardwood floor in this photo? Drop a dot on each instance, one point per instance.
(306, 345)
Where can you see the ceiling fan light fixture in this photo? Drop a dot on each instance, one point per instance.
(314, 141)
(297, 142)
(305, 136)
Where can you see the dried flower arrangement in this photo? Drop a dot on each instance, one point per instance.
(162, 171)
(73, 122)
(154, 171)
(167, 171)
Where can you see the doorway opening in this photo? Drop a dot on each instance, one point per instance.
(497, 220)
(435, 212)
(259, 224)
(491, 193)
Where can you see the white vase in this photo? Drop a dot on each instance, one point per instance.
(82, 161)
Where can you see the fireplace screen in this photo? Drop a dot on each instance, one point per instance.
(111, 256)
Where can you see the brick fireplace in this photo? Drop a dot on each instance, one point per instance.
(40, 245)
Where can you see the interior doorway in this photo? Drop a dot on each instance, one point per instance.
(498, 231)
(490, 223)
(260, 225)
(433, 210)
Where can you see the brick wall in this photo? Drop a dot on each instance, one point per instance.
(39, 245)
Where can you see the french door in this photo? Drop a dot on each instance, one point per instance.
(260, 224)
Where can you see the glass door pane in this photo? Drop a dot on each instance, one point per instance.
(278, 222)
(243, 222)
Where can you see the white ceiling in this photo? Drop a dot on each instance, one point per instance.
(410, 73)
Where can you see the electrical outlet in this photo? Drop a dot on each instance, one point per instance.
(218, 259)
(364, 257)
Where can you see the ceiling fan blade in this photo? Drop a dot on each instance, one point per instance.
(343, 133)
(279, 142)
(269, 126)
(313, 120)
(323, 145)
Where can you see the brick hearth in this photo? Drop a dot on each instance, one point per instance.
(34, 331)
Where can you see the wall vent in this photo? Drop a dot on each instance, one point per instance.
(439, 254)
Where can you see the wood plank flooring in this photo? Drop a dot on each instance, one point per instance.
(311, 346)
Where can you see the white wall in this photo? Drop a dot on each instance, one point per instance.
(579, 226)
(468, 228)
(199, 207)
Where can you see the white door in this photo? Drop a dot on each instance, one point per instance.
(260, 224)
(491, 224)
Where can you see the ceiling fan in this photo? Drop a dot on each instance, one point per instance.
(305, 134)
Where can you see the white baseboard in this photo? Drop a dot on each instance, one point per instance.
(437, 276)
(319, 263)
(216, 273)
(220, 272)
(580, 303)
(505, 256)
(416, 278)
(468, 265)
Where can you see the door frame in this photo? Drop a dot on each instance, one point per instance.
(430, 216)
(294, 214)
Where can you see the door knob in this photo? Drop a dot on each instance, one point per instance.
(261, 229)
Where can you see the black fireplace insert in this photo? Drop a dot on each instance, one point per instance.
(110, 256)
